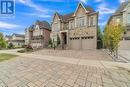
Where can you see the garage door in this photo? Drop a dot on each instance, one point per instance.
(87, 43)
(84, 43)
(75, 43)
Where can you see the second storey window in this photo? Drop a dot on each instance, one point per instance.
(55, 26)
(128, 18)
(118, 20)
(71, 25)
(80, 21)
(91, 21)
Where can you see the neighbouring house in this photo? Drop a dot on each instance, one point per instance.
(7, 38)
(122, 16)
(18, 40)
(38, 34)
(77, 30)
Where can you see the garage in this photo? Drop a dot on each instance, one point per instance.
(87, 43)
(83, 43)
(75, 43)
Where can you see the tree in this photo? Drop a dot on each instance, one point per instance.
(112, 36)
(99, 39)
(2, 41)
(50, 43)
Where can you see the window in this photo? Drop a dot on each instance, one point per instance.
(55, 26)
(128, 18)
(118, 19)
(91, 21)
(80, 21)
(71, 24)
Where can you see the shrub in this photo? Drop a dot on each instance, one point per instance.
(29, 48)
(50, 43)
(21, 51)
(10, 46)
(58, 39)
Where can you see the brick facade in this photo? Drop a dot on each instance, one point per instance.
(77, 30)
(38, 35)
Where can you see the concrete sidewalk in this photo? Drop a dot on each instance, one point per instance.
(125, 54)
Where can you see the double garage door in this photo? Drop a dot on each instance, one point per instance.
(82, 43)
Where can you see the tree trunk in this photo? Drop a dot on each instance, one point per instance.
(117, 53)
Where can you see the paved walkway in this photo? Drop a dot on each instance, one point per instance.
(125, 54)
(31, 70)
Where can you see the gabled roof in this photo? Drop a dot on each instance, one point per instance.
(121, 8)
(88, 9)
(18, 35)
(7, 36)
(65, 17)
(43, 24)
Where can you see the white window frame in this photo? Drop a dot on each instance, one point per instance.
(91, 20)
(80, 21)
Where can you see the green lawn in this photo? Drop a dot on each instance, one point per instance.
(5, 56)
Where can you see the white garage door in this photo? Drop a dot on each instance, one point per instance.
(75, 43)
(84, 43)
(87, 43)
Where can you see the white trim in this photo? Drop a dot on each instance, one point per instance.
(78, 8)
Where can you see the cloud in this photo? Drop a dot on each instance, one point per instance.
(121, 1)
(34, 6)
(6, 25)
(84, 1)
(103, 9)
(99, 0)
(37, 15)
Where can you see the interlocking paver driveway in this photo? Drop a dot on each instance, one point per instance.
(32, 72)
(78, 54)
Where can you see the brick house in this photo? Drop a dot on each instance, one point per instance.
(38, 34)
(77, 30)
(18, 40)
(122, 16)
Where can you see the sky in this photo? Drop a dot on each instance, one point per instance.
(28, 11)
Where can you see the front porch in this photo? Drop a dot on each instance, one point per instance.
(64, 39)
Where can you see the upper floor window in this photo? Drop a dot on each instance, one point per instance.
(71, 24)
(118, 20)
(128, 18)
(55, 26)
(80, 21)
(91, 21)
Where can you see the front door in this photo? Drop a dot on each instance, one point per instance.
(64, 38)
